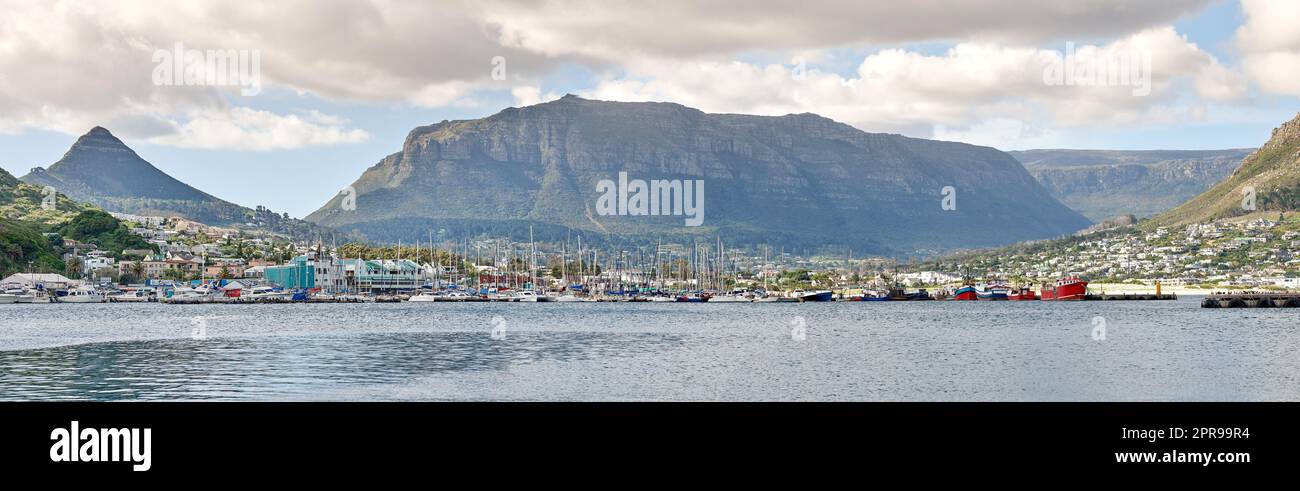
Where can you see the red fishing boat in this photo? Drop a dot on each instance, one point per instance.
(1023, 293)
(1068, 288)
(966, 292)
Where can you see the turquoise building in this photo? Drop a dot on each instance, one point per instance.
(298, 273)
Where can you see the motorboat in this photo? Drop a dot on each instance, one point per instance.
(813, 295)
(18, 295)
(269, 293)
(83, 294)
(425, 296)
(131, 296)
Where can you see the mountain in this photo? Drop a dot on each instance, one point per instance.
(1272, 172)
(102, 170)
(798, 180)
(1103, 184)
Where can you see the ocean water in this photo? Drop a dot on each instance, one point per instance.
(875, 351)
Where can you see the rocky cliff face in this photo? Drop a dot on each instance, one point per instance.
(800, 180)
(1106, 183)
(1270, 175)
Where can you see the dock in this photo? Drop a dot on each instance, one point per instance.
(1131, 296)
(1251, 300)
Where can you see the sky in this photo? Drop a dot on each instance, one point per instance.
(326, 89)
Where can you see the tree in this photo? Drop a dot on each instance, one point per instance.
(72, 267)
(224, 274)
(136, 269)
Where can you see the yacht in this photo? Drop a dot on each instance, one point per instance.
(269, 293)
(426, 296)
(132, 296)
(83, 294)
(18, 295)
(524, 296)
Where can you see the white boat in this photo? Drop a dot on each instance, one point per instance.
(269, 293)
(8, 298)
(570, 298)
(134, 296)
(730, 298)
(20, 295)
(524, 296)
(739, 295)
(457, 296)
(426, 296)
(84, 294)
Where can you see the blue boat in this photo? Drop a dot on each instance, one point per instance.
(813, 296)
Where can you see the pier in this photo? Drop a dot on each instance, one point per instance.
(1130, 296)
(1251, 300)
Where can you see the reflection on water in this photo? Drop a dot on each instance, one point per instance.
(877, 351)
(285, 367)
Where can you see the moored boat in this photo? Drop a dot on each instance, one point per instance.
(813, 295)
(695, 297)
(84, 294)
(995, 291)
(966, 292)
(1023, 293)
(1068, 288)
(425, 296)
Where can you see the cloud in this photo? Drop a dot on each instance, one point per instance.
(972, 89)
(1270, 45)
(251, 129)
(69, 64)
(618, 29)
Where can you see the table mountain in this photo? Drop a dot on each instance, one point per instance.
(1272, 172)
(799, 180)
(100, 169)
(1102, 184)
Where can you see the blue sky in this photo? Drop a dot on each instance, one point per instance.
(334, 102)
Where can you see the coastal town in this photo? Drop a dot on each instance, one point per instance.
(1248, 253)
(190, 262)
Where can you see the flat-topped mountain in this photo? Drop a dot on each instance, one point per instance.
(800, 180)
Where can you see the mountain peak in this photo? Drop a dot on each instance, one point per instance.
(99, 134)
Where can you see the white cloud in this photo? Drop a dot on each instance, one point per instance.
(619, 29)
(1270, 44)
(66, 65)
(251, 129)
(974, 91)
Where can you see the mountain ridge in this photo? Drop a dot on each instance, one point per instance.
(800, 179)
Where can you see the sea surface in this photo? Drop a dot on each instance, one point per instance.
(875, 351)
